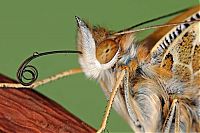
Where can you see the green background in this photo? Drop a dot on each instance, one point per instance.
(41, 25)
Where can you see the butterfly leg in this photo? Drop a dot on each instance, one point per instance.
(131, 105)
(177, 119)
(110, 102)
(42, 82)
(173, 112)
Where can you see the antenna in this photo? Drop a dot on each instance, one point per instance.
(152, 20)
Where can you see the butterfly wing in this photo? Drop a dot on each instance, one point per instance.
(151, 40)
(183, 56)
(167, 39)
(178, 51)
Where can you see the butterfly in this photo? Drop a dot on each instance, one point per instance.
(153, 84)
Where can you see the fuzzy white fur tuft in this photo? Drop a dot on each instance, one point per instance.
(86, 44)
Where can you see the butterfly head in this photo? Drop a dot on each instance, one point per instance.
(100, 49)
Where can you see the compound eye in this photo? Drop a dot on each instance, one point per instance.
(106, 50)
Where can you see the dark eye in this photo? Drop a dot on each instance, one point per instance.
(106, 50)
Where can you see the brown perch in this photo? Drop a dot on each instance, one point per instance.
(27, 111)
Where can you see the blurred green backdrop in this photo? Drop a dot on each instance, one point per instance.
(27, 26)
